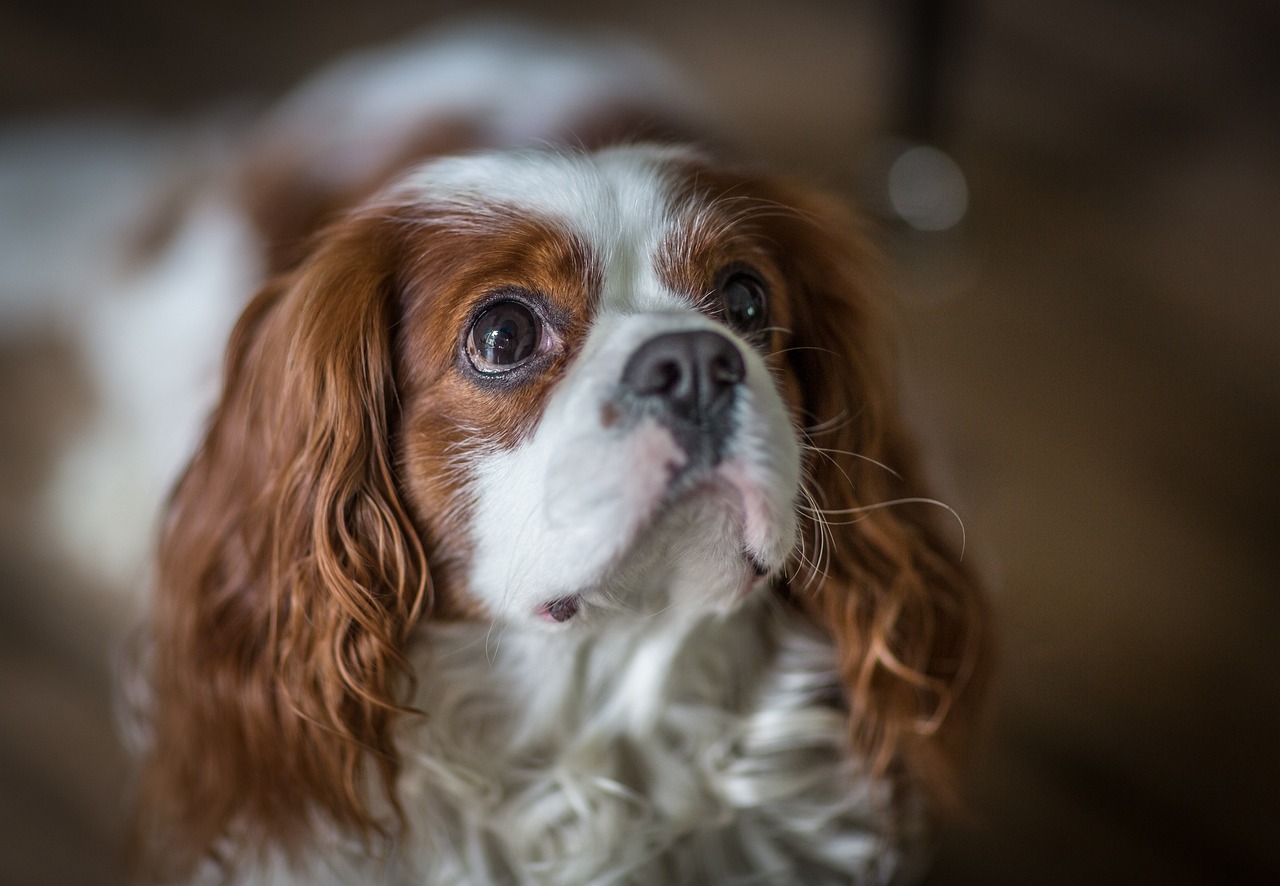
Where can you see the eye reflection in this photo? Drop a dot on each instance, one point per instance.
(746, 301)
(503, 336)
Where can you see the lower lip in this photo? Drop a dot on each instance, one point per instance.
(561, 610)
(754, 577)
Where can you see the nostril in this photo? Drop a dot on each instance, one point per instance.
(727, 367)
(687, 374)
(688, 381)
(662, 377)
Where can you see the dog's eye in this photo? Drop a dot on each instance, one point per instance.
(503, 336)
(746, 301)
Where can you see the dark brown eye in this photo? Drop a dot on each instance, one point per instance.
(746, 301)
(503, 336)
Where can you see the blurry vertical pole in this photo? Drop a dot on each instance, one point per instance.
(931, 32)
(921, 185)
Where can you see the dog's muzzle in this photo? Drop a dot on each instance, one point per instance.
(687, 381)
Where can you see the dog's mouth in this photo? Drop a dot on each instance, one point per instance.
(712, 492)
(561, 609)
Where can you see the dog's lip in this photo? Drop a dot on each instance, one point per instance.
(561, 609)
(709, 482)
(725, 482)
(712, 483)
(753, 578)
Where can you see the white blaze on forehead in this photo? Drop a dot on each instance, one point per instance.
(616, 201)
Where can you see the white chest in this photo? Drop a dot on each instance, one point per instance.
(697, 751)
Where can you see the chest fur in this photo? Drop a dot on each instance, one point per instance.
(704, 750)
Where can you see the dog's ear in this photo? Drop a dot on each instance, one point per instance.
(880, 573)
(289, 573)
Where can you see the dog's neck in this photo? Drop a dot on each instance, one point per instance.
(668, 745)
(549, 686)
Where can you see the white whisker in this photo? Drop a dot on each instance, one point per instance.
(830, 453)
(863, 510)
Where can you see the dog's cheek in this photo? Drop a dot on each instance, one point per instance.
(766, 469)
(792, 394)
(432, 480)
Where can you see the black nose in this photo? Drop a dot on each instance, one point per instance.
(690, 376)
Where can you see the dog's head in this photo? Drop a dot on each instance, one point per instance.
(549, 390)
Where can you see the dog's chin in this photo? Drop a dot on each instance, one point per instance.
(693, 555)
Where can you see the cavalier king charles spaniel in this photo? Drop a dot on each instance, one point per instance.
(557, 524)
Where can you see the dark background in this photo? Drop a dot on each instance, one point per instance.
(1094, 353)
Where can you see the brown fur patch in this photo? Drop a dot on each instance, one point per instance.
(448, 411)
(294, 570)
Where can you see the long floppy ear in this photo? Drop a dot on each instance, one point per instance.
(908, 616)
(289, 576)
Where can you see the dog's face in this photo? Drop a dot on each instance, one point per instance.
(552, 391)
(590, 384)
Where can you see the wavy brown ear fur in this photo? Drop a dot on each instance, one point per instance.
(907, 614)
(289, 577)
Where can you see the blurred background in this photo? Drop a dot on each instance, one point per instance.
(1091, 336)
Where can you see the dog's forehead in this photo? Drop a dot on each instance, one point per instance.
(620, 203)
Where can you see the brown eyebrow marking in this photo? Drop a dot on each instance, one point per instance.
(719, 222)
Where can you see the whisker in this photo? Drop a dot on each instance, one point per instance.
(830, 453)
(491, 653)
(864, 510)
(835, 423)
(823, 540)
(836, 464)
(782, 351)
(670, 605)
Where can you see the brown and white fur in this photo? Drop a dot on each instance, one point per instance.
(557, 524)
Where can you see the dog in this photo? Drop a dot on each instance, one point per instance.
(557, 521)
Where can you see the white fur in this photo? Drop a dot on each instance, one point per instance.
(615, 198)
(678, 748)
(152, 343)
(516, 85)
